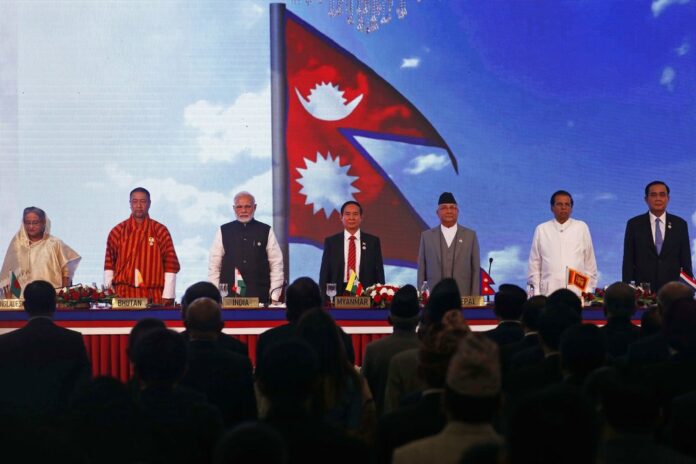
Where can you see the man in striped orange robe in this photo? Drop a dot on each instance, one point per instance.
(140, 258)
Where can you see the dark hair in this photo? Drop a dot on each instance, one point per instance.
(679, 324)
(289, 372)
(301, 295)
(141, 190)
(39, 298)
(620, 300)
(139, 330)
(655, 182)
(160, 357)
(509, 301)
(583, 349)
(203, 315)
(470, 409)
(566, 297)
(33, 209)
(554, 320)
(445, 297)
(531, 310)
(650, 322)
(351, 202)
(561, 192)
(202, 289)
(251, 442)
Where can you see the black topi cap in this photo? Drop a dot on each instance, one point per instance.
(405, 302)
(446, 197)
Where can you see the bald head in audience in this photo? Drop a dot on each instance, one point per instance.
(203, 319)
(671, 292)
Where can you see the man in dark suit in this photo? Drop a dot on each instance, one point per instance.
(450, 250)
(656, 244)
(351, 249)
(41, 364)
(619, 306)
(508, 309)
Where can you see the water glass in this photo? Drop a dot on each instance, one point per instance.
(224, 289)
(331, 291)
(646, 288)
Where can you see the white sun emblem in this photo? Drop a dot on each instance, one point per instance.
(326, 183)
(326, 102)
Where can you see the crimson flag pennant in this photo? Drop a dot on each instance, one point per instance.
(486, 283)
(578, 279)
(332, 97)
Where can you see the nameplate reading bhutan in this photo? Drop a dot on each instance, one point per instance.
(129, 303)
(346, 302)
(240, 303)
(12, 304)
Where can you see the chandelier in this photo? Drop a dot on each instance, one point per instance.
(366, 15)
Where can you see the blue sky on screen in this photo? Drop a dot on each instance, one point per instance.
(597, 98)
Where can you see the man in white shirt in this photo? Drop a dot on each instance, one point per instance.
(450, 250)
(250, 247)
(559, 244)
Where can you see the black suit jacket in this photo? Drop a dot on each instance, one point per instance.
(332, 262)
(641, 262)
(506, 332)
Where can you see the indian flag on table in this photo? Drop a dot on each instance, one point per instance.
(15, 287)
(687, 279)
(354, 287)
(578, 279)
(238, 286)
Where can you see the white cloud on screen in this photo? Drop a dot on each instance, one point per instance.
(605, 196)
(683, 49)
(227, 133)
(658, 6)
(429, 162)
(412, 62)
(667, 78)
(508, 265)
(399, 275)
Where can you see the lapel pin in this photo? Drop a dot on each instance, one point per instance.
(258, 243)
(669, 225)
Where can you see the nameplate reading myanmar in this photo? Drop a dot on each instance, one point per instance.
(345, 302)
(238, 302)
(129, 303)
(12, 304)
(473, 301)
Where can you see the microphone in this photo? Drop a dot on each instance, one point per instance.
(281, 297)
(490, 264)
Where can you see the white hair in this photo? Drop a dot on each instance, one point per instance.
(244, 193)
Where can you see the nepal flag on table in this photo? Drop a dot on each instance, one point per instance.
(331, 99)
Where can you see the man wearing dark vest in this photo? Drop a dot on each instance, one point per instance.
(449, 250)
(250, 247)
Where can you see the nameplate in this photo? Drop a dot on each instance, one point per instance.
(473, 301)
(129, 303)
(13, 304)
(240, 303)
(345, 302)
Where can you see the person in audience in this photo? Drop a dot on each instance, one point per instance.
(41, 363)
(251, 443)
(426, 417)
(404, 314)
(288, 378)
(343, 397)
(531, 310)
(223, 376)
(139, 330)
(205, 289)
(682, 427)
(140, 259)
(302, 295)
(650, 322)
(655, 349)
(566, 297)
(471, 400)
(619, 307)
(402, 378)
(508, 304)
(553, 425)
(583, 349)
(180, 425)
(35, 254)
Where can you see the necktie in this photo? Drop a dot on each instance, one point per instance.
(351, 256)
(658, 236)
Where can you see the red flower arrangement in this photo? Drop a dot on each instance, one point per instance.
(82, 296)
(381, 294)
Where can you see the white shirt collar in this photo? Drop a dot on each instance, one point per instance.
(346, 235)
(663, 218)
(448, 229)
(562, 227)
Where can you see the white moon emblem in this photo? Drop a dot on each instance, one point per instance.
(326, 102)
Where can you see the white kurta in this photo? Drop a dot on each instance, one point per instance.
(555, 248)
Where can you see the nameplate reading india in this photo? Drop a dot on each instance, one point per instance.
(129, 303)
(13, 304)
(240, 303)
(345, 302)
(473, 301)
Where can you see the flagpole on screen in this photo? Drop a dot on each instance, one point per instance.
(278, 125)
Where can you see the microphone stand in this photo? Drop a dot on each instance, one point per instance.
(490, 264)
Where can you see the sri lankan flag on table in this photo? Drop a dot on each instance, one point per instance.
(354, 287)
(578, 279)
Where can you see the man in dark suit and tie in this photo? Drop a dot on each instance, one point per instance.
(450, 250)
(656, 244)
(349, 250)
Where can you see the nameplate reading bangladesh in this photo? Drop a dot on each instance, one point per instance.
(129, 303)
(238, 302)
(345, 302)
(12, 304)
(473, 301)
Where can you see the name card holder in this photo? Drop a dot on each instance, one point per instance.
(238, 302)
(347, 302)
(12, 304)
(129, 303)
(473, 301)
